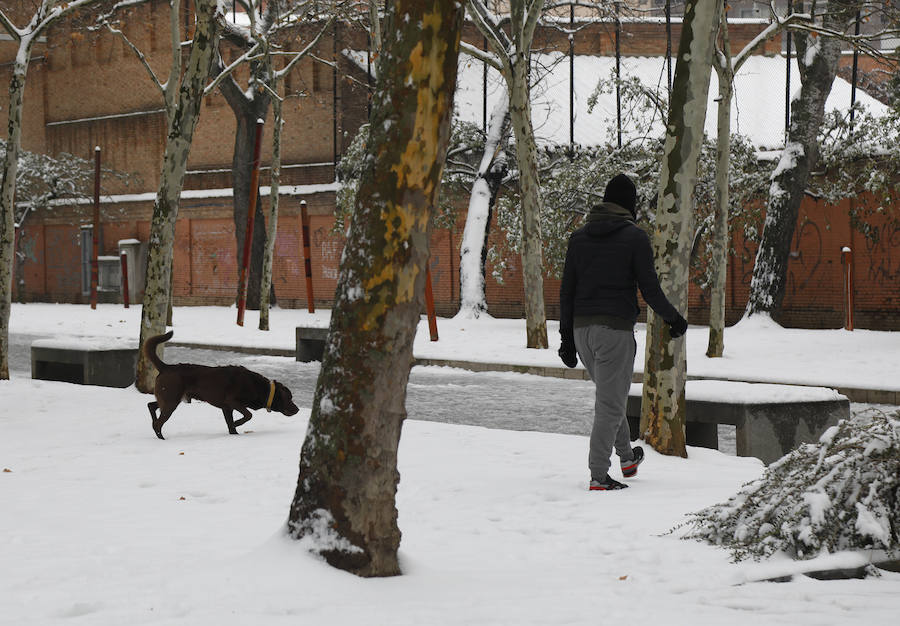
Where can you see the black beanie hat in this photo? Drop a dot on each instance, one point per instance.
(623, 192)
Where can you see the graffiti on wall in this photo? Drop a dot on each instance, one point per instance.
(804, 263)
(883, 257)
(804, 258)
(331, 247)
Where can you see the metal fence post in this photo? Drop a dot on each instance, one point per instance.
(307, 257)
(847, 263)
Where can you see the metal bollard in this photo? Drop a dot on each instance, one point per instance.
(847, 262)
(307, 257)
(429, 304)
(124, 258)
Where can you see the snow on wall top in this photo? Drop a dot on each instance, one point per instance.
(750, 393)
(757, 109)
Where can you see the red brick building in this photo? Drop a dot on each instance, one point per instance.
(87, 90)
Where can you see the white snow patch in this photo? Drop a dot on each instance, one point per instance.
(819, 503)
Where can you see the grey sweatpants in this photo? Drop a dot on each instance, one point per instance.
(608, 355)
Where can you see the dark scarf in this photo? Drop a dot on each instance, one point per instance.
(609, 211)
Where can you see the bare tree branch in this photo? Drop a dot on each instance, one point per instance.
(9, 27)
(226, 72)
(140, 56)
(279, 74)
(481, 55)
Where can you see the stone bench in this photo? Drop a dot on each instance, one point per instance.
(311, 343)
(103, 362)
(770, 420)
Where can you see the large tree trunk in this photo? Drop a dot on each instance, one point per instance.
(530, 193)
(8, 194)
(817, 58)
(483, 197)
(46, 13)
(246, 113)
(345, 499)
(182, 120)
(663, 408)
(514, 53)
(719, 264)
(524, 16)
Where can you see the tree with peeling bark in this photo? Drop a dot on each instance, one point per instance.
(182, 93)
(47, 13)
(817, 58)
(261, 48)
(482, 199)
(265, 285)
(41, 181)
(510, 54)
(344, 505)
(726, 66)
(477, 166)
(269, 31)
(663, 405)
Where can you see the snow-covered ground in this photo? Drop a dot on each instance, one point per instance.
(103, 524)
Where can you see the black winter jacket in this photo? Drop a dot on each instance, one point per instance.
(607, 260)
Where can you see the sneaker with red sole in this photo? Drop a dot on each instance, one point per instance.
(607, 484)
(630, 468)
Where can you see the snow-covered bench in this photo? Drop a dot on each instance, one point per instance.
(311, 343)
(770, 420)
(87, 361)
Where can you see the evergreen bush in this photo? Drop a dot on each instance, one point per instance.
(842, 493)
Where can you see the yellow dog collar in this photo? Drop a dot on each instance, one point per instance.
(271, 396)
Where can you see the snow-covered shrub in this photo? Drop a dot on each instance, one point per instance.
(842, 493)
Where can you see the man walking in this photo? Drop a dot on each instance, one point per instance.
(607, 260)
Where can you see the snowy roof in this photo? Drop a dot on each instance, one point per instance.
(757, 109)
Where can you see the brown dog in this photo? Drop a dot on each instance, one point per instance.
(230, 388)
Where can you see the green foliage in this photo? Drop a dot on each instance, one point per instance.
(842, 493)
(457, 178)
(349, 172)
(573, 180)
(861, 161)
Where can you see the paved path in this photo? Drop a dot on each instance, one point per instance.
(491, 399)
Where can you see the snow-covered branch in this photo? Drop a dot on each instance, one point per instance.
(103, 19)
(140, 56)
(9, 27)
(227, 71)
(532, 17)
(778, 24)
(481, 55)
(838, 494)
(488, 25)
(305, 52)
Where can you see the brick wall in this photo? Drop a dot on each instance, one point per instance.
(206, 266)
(87, 90)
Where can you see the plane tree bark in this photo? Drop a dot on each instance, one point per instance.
(46, 14)
(663, 406)
(726, 66)
(511, 56)
(482, 199)
(182, 93)
(260, 44)
(817, 59)
(344, 506)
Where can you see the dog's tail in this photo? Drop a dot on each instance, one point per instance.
(150, 349)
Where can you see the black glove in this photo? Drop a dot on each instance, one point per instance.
(567, 352)
(678, 327)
